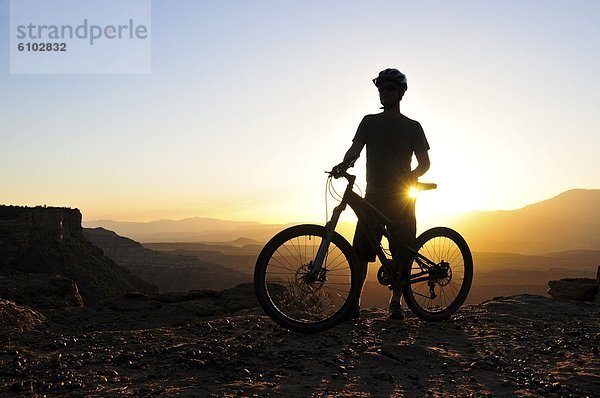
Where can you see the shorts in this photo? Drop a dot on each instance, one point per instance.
(403, 227)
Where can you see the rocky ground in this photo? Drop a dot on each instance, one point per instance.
(209, 344)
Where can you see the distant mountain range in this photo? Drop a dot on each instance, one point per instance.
(569, 221)
(195, 229)
(555, 238)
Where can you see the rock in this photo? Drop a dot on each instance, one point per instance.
(41, 240)
(40, 290)
(18, 318)
(576, 289)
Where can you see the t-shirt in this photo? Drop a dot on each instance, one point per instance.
(391, 142)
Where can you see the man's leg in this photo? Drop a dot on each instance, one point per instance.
(403, 234)
(395, 306)
(362, 277)
(365, 253)
(396, 296)
(362, 274)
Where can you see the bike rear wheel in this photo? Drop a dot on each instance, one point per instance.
(449, 284)
(288, 298)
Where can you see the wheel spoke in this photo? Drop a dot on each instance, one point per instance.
(291, 254)
(285, 259)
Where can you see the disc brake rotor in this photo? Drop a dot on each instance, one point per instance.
(442, 275)
(446, 272)
(310, 287)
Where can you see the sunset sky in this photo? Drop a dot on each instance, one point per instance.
(249, 102)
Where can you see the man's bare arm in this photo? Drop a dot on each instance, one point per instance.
(354, 151)
(423, 166)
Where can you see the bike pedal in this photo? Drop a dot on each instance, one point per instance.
(396, 285)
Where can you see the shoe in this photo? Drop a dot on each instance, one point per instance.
(354, 312)
(395, 311)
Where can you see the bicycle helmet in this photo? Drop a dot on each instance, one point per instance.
(393, 75)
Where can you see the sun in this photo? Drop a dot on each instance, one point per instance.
(413, 192)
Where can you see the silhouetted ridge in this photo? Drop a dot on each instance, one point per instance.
(49, 240)
(170, 272)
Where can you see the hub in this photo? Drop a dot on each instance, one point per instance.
(304, 284)
(442, 273)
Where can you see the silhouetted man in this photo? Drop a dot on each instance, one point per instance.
(391, 139)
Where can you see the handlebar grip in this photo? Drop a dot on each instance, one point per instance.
(339, 169)
(426, 186)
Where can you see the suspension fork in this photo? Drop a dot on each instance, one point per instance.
(329, 231)
(324, 246)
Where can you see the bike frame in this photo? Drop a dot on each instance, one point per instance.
(361, 207)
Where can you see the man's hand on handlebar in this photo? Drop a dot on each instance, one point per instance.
(341, 168)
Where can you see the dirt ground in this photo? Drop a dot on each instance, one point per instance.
(514, 346)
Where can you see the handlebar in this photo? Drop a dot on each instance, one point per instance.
(339, 171)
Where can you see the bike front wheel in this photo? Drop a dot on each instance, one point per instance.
(444, 287)
(283, 291)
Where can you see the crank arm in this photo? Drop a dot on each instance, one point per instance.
(392, 276)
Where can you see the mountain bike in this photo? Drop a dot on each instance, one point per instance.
(306, 277)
